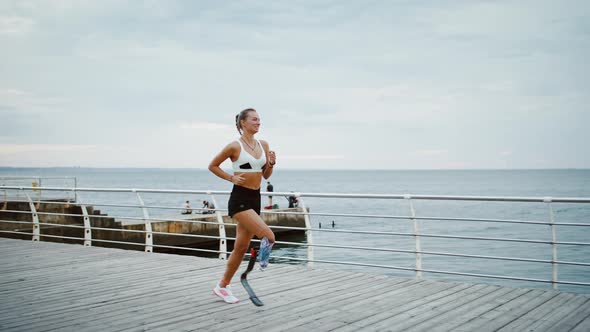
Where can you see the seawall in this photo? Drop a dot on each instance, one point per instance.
(108, 228)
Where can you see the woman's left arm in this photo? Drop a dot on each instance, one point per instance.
(271, 160)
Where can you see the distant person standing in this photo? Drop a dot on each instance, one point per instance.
(293, 202)
(269, 188)
(251, 161)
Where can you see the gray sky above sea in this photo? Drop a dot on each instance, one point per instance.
(338, 84)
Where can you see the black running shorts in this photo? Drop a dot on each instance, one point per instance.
(242, 199)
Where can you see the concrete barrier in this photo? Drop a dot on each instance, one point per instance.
(112, 229)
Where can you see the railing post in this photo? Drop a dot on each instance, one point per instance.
(554, 265)
(75, 191)
(417, 245)
(39, 191)
(222, 235)
(148, 224)
(35, 218)
(308, 232)
(5, 205)
(87, 227)
(40, 184)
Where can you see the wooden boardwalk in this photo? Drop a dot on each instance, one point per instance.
(58, 287)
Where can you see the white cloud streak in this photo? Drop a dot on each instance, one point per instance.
(26, 102)
(430, 152)
(204, 126)
(32, 148)
(312, 157)
(15, 25)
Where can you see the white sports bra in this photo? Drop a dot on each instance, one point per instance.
(247, 163)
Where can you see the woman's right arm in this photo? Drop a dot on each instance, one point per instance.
(215, 168)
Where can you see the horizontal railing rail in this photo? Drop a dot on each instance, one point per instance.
(156, 219)
(544, 199)
(147, 220)
(311, 214)
(38, 182)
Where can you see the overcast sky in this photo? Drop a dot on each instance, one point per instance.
(338, 84)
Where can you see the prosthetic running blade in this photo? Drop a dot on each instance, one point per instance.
(244, 280)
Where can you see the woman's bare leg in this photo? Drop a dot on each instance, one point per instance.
(241, 245)
(254, 224)
(249, 224)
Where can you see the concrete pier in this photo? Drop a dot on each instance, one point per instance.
(71, 214)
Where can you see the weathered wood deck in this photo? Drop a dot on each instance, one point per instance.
(48, 286)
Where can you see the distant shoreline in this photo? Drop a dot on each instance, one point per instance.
(3, 168)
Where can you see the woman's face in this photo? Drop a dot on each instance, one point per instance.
(251, 123)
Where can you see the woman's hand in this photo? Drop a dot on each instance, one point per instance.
(237, 179)
(272, 158)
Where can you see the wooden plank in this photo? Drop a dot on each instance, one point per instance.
(354, 318)
(357, 318)
(39, 264)
(508, 312)
(102, 290)
(583, 326)
(112, 305)
(96, 292)
(303, 288)
(212, 306)
(501, 297)
(449, 316)
(82, 278)
(141, 291)
(98, 298)
(118, 310)
(570, 315)
(52, 286)
(426, 309)
(70, 274)
(163, 306)
(363, 309)
(540, 313)
(319, 301)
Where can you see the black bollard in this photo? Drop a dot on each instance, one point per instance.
(332, 223)
(320, 225)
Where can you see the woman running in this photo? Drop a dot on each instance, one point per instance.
(251, 160)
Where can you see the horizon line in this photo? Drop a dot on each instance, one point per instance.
(301, 169)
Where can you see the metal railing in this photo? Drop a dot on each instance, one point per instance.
(418, 237)
(38, 182)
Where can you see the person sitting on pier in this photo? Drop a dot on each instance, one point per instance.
(188, 208)
(251, 160)
(208, 207)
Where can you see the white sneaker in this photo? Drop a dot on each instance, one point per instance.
(225, 294)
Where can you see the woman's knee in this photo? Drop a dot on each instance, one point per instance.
(270, 236)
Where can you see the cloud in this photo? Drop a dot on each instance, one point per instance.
(11, 94)
(204, 126)
(12, 25)
(27, 148)
(23, 101)
(426, 153)
(432, 81)
(312, 157)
